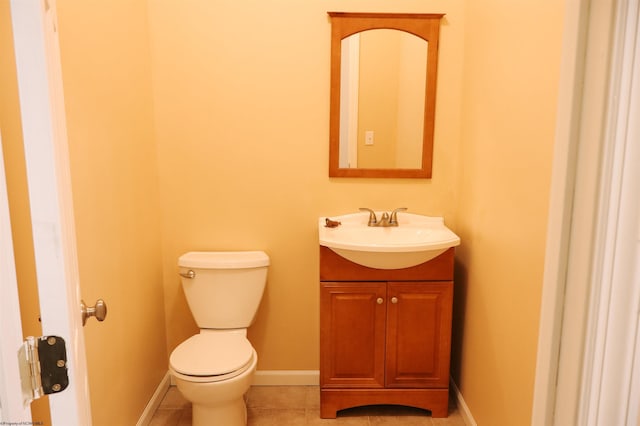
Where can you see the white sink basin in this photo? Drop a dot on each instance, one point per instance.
(416, 240)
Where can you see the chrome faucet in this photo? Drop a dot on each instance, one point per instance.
(385, 220)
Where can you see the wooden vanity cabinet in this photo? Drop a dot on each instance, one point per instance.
(385, 335)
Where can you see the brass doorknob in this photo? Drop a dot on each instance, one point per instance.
(99, 311)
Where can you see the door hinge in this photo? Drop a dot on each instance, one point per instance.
(43, 367)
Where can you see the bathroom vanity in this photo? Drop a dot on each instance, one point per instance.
(385, 334)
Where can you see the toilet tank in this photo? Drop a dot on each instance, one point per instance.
(225, 288)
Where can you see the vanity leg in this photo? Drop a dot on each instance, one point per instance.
(327, 413)
(439, 412)
(328, 410)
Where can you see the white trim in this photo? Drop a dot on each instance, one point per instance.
(571, 226)
(463, 408)
(46, 157)
(560, 209)
(591, 110)
(13, 409)
(634, 392)
(575, 268)
(155, 401)
(286, 378)
(613, 313)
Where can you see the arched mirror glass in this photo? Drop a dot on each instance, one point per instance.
(383, 77)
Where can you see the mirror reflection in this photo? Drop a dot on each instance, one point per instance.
(383, 84)
(382, 99)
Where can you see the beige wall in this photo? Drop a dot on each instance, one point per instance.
(512, 56)
(107, 89)
(214, 137)
(244, 166)
(241, 111)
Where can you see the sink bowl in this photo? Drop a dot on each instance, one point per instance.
(416, 240)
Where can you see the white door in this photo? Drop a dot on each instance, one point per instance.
(11, 407)
(46, 156)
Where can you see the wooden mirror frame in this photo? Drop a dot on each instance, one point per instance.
(423, 25)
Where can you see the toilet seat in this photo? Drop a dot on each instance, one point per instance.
(212, 357)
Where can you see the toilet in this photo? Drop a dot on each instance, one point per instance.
(214, 368)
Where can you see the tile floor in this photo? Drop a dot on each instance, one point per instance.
(300, 406)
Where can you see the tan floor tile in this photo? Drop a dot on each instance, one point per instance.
(388, 415)
(173, 399)
(164, 417)
(185, 417)
(454, 419)
(278, 397)
(275, 417)
(348, 419)
(400, 420)
(300, 406)
(313, 397)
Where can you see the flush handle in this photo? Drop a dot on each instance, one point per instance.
(190, 274)
(99, 311)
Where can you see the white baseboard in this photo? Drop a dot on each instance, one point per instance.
(286, 378)
(462, 406)
(155, 401)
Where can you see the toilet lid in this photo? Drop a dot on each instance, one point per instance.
(210, 354)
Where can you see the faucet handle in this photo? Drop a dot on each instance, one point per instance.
(394, 216)
(373, 220)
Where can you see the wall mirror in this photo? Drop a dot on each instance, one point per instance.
(383, 88)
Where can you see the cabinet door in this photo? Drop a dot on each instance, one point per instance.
(418, 334)
(352, 332)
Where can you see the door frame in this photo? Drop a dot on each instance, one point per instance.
(597, 52)
(608, 379)
(48, 174)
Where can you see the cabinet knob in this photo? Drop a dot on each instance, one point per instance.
(394, 300)
(380, 301)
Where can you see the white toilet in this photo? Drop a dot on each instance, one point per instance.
(214, 368)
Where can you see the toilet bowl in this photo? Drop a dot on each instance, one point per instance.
(215, 388)
(214, 368)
